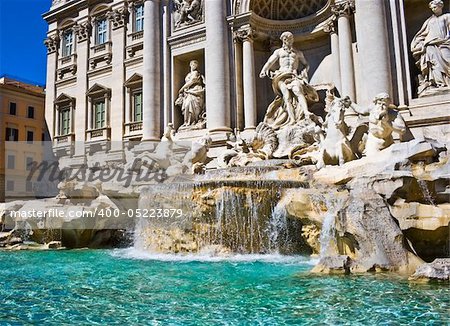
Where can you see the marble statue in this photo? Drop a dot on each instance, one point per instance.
(431, 48)
(335, 147)
(291, 87)
(197, 157)
(191, 99)
(383, 121)
(187, 12)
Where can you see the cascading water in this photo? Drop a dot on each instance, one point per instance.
(426, 192)
(327, 235)
(228, 218)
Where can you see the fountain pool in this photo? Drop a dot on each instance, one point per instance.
(130, 287)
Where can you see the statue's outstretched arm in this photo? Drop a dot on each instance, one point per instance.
(265, 69)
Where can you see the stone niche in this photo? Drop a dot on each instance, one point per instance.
(317, 52)
(180, 68)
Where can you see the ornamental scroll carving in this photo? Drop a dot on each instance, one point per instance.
(83, 31)
(118, 17)
(52, 43)
(343, 8)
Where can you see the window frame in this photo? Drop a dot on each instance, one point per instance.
(68, 45)
(8, 161)
(8, 183)
(11, 104)
(30, 132)
(104, 32)
(133, 105)
(15, 135)
(138, 22)
(99, 124)
(64, 115)
(28, 112)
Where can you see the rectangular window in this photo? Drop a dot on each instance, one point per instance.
(30, 112)
(67, 44)
(137, 106)
(11, 162)
(139, 18)
(12, 108)
(102, 31)
(29, 163)
(10, 185)
(30, 136)
(99, 114)
(29, 186)
(12, 134)
(64, 118)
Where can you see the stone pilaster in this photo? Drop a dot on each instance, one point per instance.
(118, 18)
(52, 44)
(217, 67)
(331, 29)
(239, 83)
(248, 76)
(373, 49)
(82, 32)
(343, 10)
(151, 79)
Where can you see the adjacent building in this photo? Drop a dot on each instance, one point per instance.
(115, 67)
(23, 128)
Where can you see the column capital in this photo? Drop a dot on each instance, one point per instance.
(343, 8)
(330, 27)
(245, 34)
(83, 31)
(52, 43)
(118, 17)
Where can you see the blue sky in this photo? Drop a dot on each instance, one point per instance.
(22, 33)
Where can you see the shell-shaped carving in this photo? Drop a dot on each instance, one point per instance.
(265, 140)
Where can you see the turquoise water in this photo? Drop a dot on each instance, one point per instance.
(129, 288)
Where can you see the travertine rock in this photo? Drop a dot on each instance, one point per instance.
(333, 265)
(438, 270)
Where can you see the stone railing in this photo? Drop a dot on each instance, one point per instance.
(98, 134)
(137, 35)
(63, 140)
(133, 128)
(68, 60)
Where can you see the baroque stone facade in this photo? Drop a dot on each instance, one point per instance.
(121, 70)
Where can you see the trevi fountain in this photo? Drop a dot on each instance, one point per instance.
(325, 200)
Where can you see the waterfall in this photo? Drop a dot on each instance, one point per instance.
(230, 218)
(327, 235)
(426, 192)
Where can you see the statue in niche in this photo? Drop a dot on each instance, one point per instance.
(191, 99)
(383, 121)
(292, 89)
(187, 12)
(431, 48)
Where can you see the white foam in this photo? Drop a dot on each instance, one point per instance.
(133, 253)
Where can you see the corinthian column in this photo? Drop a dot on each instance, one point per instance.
(217, 66)
(151, 79)
(373, 51)
(249, 84)
(334, 38)
(343, 10)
